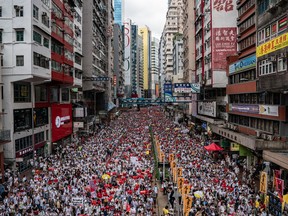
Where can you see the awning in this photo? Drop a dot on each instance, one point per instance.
(278, 157)
(111, 105)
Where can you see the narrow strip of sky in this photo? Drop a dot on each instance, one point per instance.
(147, 12)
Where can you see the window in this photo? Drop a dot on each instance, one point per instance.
(46, 42)
(262, 6)
(39, 137)
(45, 19)
(22, 119)
(46, 2)
(40, 117)
(19, 60)
(23, 143)
(54, 94)
(1, 36)
(40, 93)
(0, 11)
(282, 64)
(35, 12)
(19, 35)
(65, 94)
(22, 92)
(19, 10)
(267, 66)
(37, 37)
(41, 60)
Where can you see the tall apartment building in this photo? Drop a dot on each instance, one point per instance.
(127, 57)
(178, 59)
(133, 62)
(215, 40)
(140, 66)
(189, 51)
(97, 34)
(173, 25)
(118, 77)
(37, 81)
(272, 98)
(146, 36)
(161, 66)
(154, 68)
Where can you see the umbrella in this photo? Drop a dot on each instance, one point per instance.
(105, 176)
(213, 147)
(198, 194)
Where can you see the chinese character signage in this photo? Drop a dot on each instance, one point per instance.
(207, 108)
(243, 64)
(223, 44)
(187, 87)
(127, 60)
(272, 45)
(263, 182)
(224, 32)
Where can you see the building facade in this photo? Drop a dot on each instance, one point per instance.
(154, 68)
(146, 36)
(38, 82)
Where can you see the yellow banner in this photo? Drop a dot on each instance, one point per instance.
(187, 204)
(272, 45)
(179, 171)
(173, 164)
(174, 174)
(186, 189)
(180, 184)
(263, 182)
(171, 157)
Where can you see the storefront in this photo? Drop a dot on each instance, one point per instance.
(61, 122)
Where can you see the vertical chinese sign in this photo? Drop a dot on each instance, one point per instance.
(127, 60)
(224, 32)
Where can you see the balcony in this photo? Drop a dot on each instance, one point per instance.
(5, 136)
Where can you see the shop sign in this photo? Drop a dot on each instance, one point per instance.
(78, 124)
(61, 121)
(243, 64)
(187, 87)
(24, 151)
(207, 108)
(234, 146)
(277, 43)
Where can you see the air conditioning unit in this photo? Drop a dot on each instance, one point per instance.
(238, 2)
(271, 58)
(258, 134)
(269, 137)
(16, 7)
(207, 28)
(53, 20)
(239, 35)
(44, 14)
(207, 10)
(282, 55)
(234, 127)
(238, 18)
(47, 59)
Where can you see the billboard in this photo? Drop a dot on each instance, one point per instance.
(272, 45)
(224, 32)
(187, 87)
(127, 50)
(61, 121)
(243, 64)
(207, 108)
(268, 110)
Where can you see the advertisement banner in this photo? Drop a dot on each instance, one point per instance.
(279, 186)
(207, 108)
(234, 146)
(269, 110)
(247, 108)
(224, 43)
(61, 121)
(127, 51)
(263, 182)
(243, 64)
(272, 45)
(187, 87)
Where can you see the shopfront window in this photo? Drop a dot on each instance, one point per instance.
(40, 116)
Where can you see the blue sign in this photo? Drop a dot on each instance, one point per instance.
(168, 88)
(187, 87)
(243, 64)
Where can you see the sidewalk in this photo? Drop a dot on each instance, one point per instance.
(162, 200)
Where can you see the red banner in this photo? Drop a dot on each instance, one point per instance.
(223, 44)
(61, 121)
(279, 186)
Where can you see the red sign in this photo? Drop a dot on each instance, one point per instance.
(223, 5)
(61, 121)
(223, 44)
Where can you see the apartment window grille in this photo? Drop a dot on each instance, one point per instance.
(282, 64)
(45, 19)
(46, 2)
(20, 60)
(267, 67)
(46, 42)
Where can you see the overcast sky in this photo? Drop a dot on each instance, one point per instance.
(147, 12)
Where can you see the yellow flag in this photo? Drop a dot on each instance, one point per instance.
(179, 171)
(263, 182)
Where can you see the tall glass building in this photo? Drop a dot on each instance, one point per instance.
(118, 11)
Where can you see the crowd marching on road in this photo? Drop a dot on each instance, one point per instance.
(111, 173)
